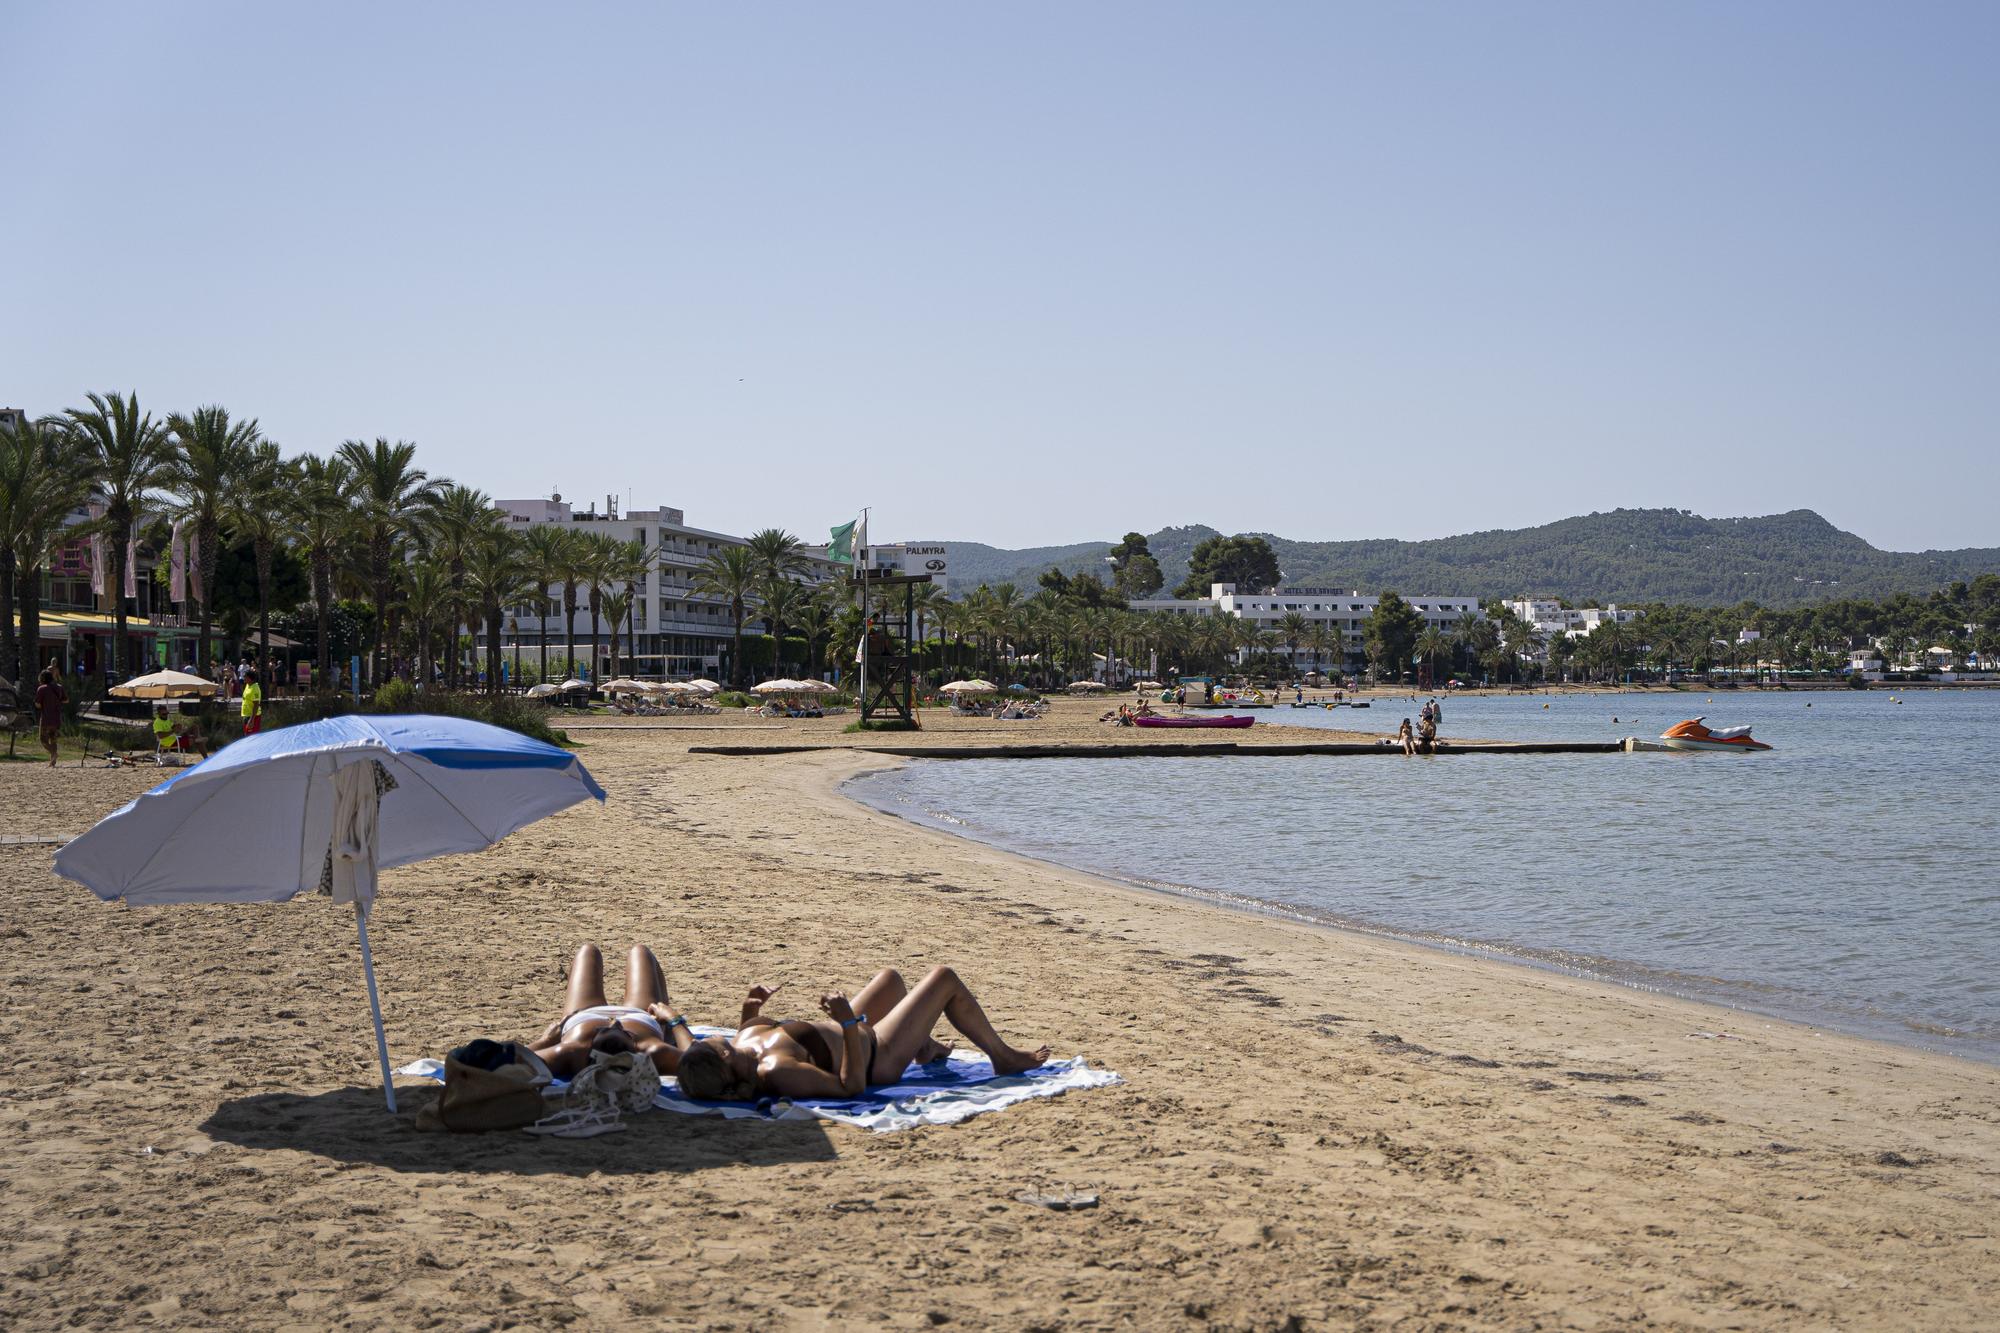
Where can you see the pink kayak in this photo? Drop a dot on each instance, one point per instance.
(1227, 720)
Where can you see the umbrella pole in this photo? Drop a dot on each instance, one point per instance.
(374, 1005)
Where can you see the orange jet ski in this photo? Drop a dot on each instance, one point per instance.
(1692, 735)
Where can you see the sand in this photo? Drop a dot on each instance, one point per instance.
(1320, 1129)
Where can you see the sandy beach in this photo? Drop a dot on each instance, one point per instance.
(1318, 1128)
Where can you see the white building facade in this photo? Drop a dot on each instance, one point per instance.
(1344, 609)
(1552, 618)
(675, 630)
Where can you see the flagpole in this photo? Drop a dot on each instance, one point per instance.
(861, 574)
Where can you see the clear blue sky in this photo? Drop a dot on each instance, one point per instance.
(1026, 274)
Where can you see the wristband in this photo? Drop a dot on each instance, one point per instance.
(850, 1022)
(681, 1021)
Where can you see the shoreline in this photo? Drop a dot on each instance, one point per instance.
(1318, 1128)
(1236, 903)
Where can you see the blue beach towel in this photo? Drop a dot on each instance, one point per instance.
(943, 1093)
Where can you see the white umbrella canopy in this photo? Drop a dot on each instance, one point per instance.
(668, 687)
(780, 686)
(166, 685)
(573, 684)
(544, 690)
(813, 687)
(705, 685)
(1085, 686)
(969, 687)
(624, 685)
(273, 815)
(1147, 685)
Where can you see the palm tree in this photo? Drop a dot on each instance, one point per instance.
(256, 514)
(542, 552)
(455, 519)
(42, 481)
(1294, 629)
(784, 603)
(816, 621)
(730, 574)
(209, 457)
(389, 495)
(572, 567)
(1434, 646)
(127, 453)
(320, 519)
(628, 564)
(617, 603)
(496, 578)
(601, 561)
(428, 595)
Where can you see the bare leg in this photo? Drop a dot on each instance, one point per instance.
(901, 1034)
(881, 995)
(586, 981)
(645, 980)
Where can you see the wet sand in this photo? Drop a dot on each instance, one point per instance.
(1318, 1127)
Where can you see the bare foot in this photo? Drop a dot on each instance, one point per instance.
(1016, 1062)
(934, 1051)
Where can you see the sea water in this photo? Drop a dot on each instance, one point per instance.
(1849, 878)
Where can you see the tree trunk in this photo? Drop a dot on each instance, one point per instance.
(323, 615)
(736, 676)
(30, 581)
(493, 628)
(543, 621)
(207, 532)
(263, 553)
(569, 627)
(10, 642)
(118, 614)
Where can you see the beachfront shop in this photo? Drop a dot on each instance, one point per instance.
(79, 642)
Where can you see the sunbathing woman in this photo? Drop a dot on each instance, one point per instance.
(646, 1023)
(862, 1043)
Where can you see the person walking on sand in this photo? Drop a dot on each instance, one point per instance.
(49, 700)
(253, 705)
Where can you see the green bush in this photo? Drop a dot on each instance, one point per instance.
(736, 699)
(397, 696)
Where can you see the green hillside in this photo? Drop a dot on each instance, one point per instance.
(1626, 555)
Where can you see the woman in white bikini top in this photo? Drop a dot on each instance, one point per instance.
(646, 1023)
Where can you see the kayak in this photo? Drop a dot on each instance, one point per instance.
(1230, 721)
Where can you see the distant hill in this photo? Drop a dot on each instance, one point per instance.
(1627, 555)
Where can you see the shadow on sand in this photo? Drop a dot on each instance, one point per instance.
(351, 1125)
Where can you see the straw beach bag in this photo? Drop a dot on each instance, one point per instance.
(489, 1085)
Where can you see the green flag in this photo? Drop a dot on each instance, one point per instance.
(841, 549)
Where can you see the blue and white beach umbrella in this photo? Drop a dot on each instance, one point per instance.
(325, 805)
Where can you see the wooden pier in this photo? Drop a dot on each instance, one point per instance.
(1197, 750)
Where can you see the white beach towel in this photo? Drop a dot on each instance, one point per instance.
(936, 1094)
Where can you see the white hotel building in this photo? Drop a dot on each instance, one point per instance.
(679, 632)
(1552, 618)
(1347, 609)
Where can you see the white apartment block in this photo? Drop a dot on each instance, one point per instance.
(1552, 617)
(1345, 609)
(679, 632)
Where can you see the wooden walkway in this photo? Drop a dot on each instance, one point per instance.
(1197, 750)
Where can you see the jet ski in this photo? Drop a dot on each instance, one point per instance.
(1693, 735)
